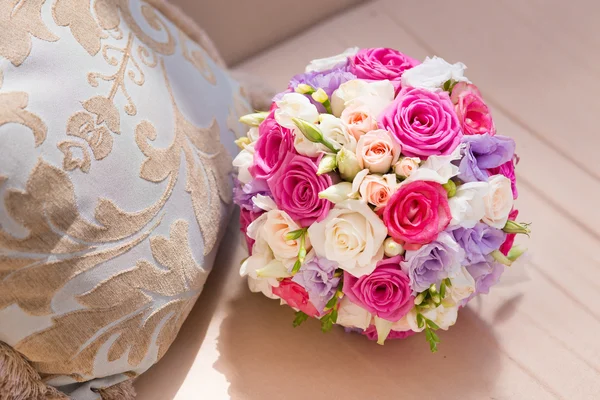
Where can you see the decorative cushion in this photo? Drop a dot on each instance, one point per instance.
(116, 135)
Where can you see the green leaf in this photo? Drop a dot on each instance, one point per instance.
(326, 323)
(435, 337)
(334, 315)
(300, 318)
(431, 339)
(446, 85)
(448, 282)
(420, 320)
(443, 289)
(297, 266)
(332, 302)
(432, 324)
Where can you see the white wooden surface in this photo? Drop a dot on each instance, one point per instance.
(536, 63)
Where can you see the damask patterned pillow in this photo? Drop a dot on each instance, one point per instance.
(116, 136)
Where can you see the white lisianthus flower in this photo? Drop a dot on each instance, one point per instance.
(498, 201)
(467, 206)
(261, 256)
(374, 95)
(433, 73)
(335, 132)
(323, 64)
(352, 315)
(295, 105)
(352, 234)
(277, 225)
(444, 316)
(253, 134)
(264, 202)
(243, 161)
(463, 286)
(437, 168)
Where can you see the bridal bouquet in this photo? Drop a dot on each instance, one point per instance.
(377, 195)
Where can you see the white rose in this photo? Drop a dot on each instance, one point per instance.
(463, 286)
(352, 234)
(243, 161)
(277, 225)
(382, 91)
(351, 315)
(433, 73)
(437, 168)
(323, 64)
(306, 147)
(467, 206)
(335, 131)
(498, 201)
(295, 105)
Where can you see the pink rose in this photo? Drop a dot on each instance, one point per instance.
(385, 292)
(377, 151)
(423, 122)
(246, 218)
(358, 120)
(381, 63)
(371, 333)
(271, 148)
(510, 238)
(295, 296)
(473, 114)
(508, 170)
(417, 212)
(295, 187)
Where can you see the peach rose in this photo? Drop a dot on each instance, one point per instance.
(375, 189)
(377, 151)
(406, 166)
(358, 120)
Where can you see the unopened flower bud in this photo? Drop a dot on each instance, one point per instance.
(347, 164)
(327, 164)
(450, 188)
(515, 227)
(303, 88)
(254, 119)
(337, 193)
(311, 131)
(243, 142)
(320, 96)
(391, 248)
(516, 252)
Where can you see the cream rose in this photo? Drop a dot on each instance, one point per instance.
(352, 234)
(377, 151)
(323, 64)
(277, 225)
(295, 105)
(358, 120)
(498, 201)
(406, 166)
(335, 131)
(379, 92)
(467, 206)
(433, 73)
(375, 189)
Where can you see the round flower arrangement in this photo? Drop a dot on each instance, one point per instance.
(376, 195)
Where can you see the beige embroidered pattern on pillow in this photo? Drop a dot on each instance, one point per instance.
(114, 181)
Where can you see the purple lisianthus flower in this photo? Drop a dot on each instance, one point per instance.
(433, 262)
(328, 80)
(243, 194)
(486, 274)
(317, 277)
(483, 152)
(478, 242)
